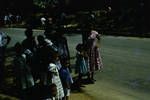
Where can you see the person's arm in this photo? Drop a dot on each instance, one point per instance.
(68, 56)
(66, 43)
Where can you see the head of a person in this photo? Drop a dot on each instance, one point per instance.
(65, 63)
(53, 90)
(79, 47)
(41, 39)
(28, 33)
(55, 55)
(18, 48)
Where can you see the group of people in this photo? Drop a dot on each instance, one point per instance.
(9, 19)
(88, 58)
(42, 68)
(41, 62)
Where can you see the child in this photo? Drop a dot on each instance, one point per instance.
(66, 79)
(81, 62)
(53, 76)
(95, 60)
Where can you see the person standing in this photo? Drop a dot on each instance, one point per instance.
(85, 35)
(6, 19)
(66, 80)
(43, 57)
(4, 41)
(82, 67)
(24, 79)
(85, 24)
(95, 61)
(29, 45)
(54, 78)
(62, 45)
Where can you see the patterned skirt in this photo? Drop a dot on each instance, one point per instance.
(95, 60)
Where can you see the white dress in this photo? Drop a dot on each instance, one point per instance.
(56, 80)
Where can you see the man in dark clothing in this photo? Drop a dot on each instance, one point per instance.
(29, 42)
(43, 57)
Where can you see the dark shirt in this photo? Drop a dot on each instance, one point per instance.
(29, 43)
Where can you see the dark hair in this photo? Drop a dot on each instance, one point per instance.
(79, 47)
(18, 47)
(53, 90)
(40, 38)
(28, 32)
